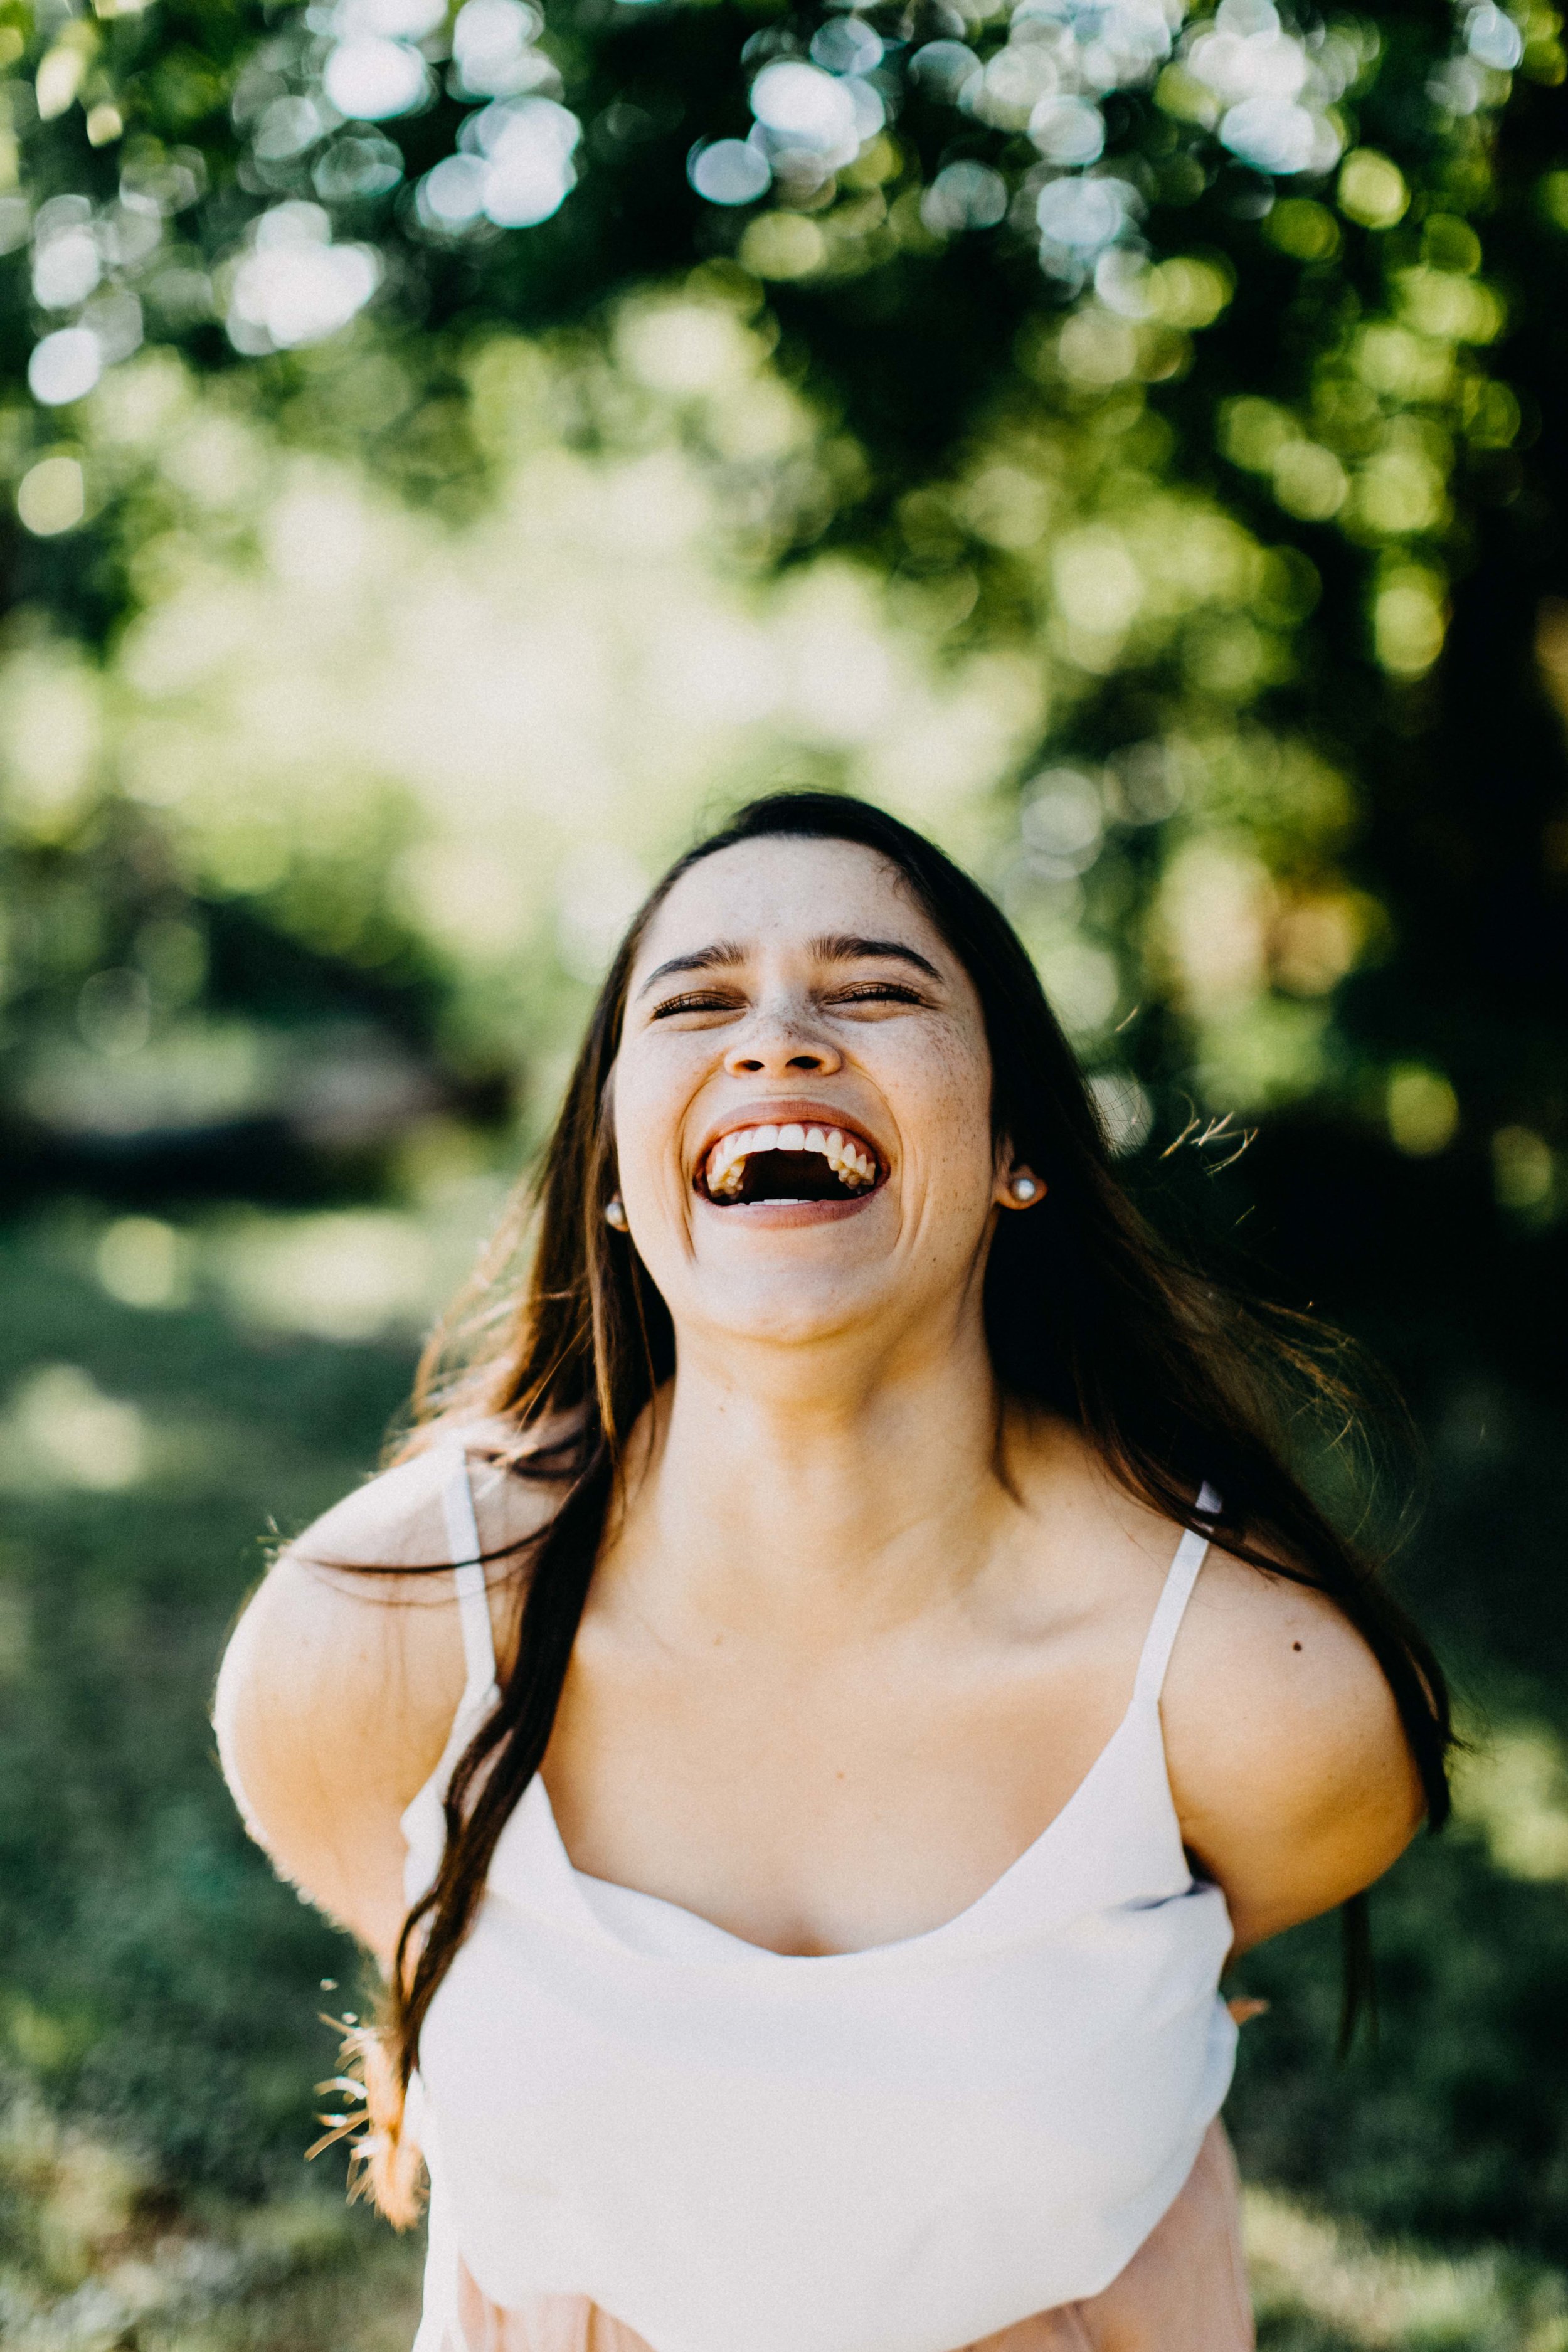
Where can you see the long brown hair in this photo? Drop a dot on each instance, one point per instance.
(1088, 1311)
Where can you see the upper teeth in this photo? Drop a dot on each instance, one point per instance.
(727, 1161)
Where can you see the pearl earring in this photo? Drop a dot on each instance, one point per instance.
(615, 1213)
(1023, 1188)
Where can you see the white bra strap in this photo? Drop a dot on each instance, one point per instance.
(1160, 1639)
(469, 1574)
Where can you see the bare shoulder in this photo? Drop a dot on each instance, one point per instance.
(337, 1693)
(366, 1579)
(1289, 1765)
(398, 1518)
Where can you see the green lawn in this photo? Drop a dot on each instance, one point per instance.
(160, 1992)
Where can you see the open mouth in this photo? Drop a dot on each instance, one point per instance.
(790, 1163)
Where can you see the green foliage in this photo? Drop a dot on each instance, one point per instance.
(1196, 372)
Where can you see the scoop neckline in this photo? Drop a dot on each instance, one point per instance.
(743, 1951)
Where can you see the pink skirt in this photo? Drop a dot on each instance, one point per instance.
(1183, 2290)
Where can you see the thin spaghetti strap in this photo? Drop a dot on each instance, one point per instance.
(469, 1575)
(1160, 1639)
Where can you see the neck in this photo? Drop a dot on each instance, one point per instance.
(812, 1491)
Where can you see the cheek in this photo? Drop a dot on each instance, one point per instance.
(651, 1096)
(947, 1117)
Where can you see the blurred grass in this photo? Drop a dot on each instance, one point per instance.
(160, 1992)
(1320, 2285)
(159, 1989)
(100, 2254)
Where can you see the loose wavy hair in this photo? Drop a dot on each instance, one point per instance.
(1089, 1312)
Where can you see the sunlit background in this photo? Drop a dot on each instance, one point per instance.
(447, 454)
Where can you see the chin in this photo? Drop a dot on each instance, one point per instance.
(791, 1307)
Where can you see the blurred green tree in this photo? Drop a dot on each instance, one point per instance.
(1204, 360)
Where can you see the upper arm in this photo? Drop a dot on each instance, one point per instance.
(1291, 1773)
(338, 1689)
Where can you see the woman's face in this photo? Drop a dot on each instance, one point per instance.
(802, 1100)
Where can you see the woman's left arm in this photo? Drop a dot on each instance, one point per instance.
(1293, 1781)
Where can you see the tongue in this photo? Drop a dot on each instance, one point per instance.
(791, 1176)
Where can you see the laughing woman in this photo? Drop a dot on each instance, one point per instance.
(804, 1816)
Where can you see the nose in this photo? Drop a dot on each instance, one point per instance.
(780, 1044)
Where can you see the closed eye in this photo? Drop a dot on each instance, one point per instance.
(878, 991)
(715, 1000)
(698, 999)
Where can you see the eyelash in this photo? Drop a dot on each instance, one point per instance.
(705, 1004)
(883, 992)
(874, 991)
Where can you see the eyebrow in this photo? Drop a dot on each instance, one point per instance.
(846, 947)
(708, 959)
(834, 947)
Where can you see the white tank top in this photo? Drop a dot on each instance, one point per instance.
(901, 2149)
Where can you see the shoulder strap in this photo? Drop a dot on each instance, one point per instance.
(469, 1575)
(1183, 1574)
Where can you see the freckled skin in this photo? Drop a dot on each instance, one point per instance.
(913, 1075)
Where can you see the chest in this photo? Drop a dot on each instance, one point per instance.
(828, 1804)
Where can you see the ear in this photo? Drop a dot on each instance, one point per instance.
(1017, 1186)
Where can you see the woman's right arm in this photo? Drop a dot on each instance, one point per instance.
(336, 1697)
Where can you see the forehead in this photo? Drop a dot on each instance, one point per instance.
(785, 892)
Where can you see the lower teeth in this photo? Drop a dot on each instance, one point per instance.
(735, 1185)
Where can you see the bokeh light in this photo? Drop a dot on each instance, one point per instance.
(295, 286)
(65, 366)
(52, 497)
(729, 172)
(369, 79)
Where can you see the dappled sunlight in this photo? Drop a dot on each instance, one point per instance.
(196, 1070)
(97, 2262)
(565, 680)
(1305, 2266)
(1423, 1109)
(143, 1262)
(483, 727)
(579, 462)
(1513, 1787)
(59, 1428)
(352, 1275)
(50, 738)
(1216, 911)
